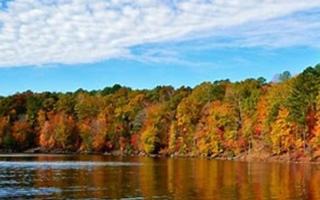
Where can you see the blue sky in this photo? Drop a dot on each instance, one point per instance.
(63, 45)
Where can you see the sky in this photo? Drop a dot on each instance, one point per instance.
(64, 45)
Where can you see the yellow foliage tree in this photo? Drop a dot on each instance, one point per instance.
(282, 132)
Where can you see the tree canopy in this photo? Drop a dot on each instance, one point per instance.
(211, 118)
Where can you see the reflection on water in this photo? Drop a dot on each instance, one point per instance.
(105, 177)
(61, 164)
(26, 192)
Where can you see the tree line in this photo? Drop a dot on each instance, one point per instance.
(213, 118)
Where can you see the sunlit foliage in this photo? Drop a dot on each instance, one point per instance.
(213, 118)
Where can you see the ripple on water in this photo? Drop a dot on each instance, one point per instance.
(9, 182)
(17, 155)
(62, 164)
(6, 192)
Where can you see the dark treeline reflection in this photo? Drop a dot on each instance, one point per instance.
(81, 177)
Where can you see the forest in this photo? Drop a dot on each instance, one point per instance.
(219, 118)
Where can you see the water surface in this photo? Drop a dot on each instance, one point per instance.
(105, 177)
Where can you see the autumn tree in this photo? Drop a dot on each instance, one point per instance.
(189, 110)
(211, 118)
(22, 134)
(244, 97)
(4, 130)
(315, 141)
(93, 133)
(282, 132)
(60, 132)
(217, 129)
(302, 100)
(154, 133)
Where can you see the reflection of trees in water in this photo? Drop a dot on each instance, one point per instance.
(203, 179)
(179, 178)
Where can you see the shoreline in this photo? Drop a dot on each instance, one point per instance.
(243, 157)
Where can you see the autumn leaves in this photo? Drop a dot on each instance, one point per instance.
(220, 118)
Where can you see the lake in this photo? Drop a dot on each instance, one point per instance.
(106, 177)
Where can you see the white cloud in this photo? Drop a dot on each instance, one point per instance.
(37, 32)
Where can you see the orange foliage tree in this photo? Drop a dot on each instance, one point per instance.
(60, 132)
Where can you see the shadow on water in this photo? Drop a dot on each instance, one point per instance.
(106, 177)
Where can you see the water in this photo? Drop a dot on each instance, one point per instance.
(106, 177)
